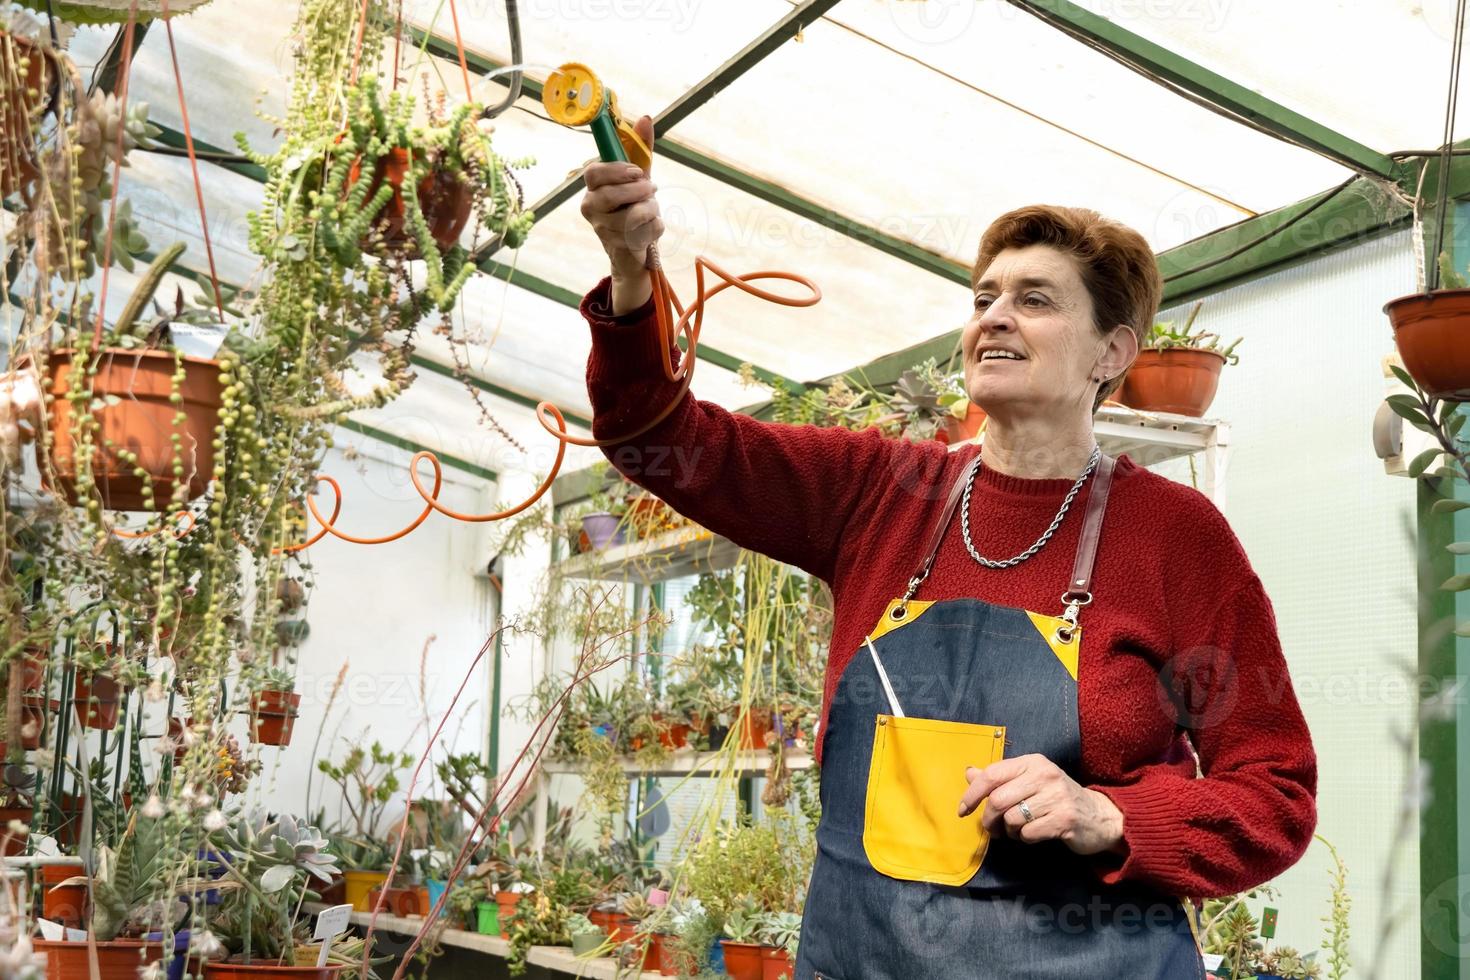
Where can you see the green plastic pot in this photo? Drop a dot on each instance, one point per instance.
(487, 918)
(584, 943)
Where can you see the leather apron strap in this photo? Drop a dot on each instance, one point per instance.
(1078, 589)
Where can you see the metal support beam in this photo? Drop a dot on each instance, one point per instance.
(732, 176)
(1193, 81)
(409, 446)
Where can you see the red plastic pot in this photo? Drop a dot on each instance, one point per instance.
(410, 900)
(98, 697)
(754, 728)
(120, 959)
(445, 200)
(776, 964)
(1181, 380)
(139, 421)
(66, 904)
(622, 928)
(742, 960)
(664, 959)
(1432, 333)
(273, 716)
(239, 971)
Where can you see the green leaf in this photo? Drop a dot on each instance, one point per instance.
(1408, 407)
(1422, 461)
(1458, 548)
(1456, 583)
(276, 877)
(1404, 376)
(1448, 506)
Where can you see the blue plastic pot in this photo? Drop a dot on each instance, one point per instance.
(436, 891)
(180, 957)
(717, 956)
(603, 530)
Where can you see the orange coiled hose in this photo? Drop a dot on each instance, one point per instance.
(689, 323)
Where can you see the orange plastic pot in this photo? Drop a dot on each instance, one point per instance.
(754, 728)
(506, 910)
(664, 958)
(742, 960)
(120, 959)
(273, 716)
(962, 430)
(261, 971)
(66, 904)
(445, 200)
(98, 697)
(776, 964)
(621, 928)
(139, 421)
(17, 107)
(401, 901)
(1180, 380)
(1432, 333)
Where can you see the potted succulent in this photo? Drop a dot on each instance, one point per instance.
(274, 707)
(129, 890)
(1178, 370)
(779, 934)
(1285, 963)
(587, 939)
(1430, 330)
(928, 403)
(742, 944)
(367, 779)
(269, 867)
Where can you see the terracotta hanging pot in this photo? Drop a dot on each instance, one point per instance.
(264, 971)
(31, 70)
(445, 200)
(98, 697)
(1180, 380)
(120, 959)
(131, 394)
(1432, 333)
(273, 716)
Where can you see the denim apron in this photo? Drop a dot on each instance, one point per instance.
(1030, 911)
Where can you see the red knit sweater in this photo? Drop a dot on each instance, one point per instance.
(1180, 637)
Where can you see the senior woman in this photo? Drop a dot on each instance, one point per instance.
(1073, 645)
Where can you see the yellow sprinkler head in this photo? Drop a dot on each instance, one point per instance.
(573, 95)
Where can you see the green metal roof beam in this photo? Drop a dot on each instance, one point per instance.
(742, 180)
(1156, 62)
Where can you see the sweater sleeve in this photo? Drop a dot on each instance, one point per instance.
(1251, 813)
(782, 490)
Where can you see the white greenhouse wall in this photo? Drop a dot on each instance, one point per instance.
(1332, 538)
(373, 610)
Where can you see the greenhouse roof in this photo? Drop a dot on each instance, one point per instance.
(862, 143)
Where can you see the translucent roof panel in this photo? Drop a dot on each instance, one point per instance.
(1377, 72)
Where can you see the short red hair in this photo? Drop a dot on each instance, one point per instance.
(1116, 263)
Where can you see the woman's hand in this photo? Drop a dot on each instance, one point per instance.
(621, 207)
(1061, 809)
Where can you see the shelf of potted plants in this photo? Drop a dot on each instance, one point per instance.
(684, 762)
(673, 554)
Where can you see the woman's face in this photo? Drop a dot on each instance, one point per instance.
(1031, 346)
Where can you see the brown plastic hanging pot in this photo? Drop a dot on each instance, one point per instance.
(1179, 380)
(1432, 333)
(446, 201)
(18, 106)
(139, 420)
(273, 716)
(98, 696)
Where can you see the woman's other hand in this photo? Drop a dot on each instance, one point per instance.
(1061, 809)
(621, 207)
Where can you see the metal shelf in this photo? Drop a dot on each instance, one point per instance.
(674, 554)
(558, 958)
(684, 762)
(1150, 438)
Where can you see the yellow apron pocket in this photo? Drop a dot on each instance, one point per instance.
(911, 830)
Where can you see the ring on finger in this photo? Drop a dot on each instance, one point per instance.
(1025, 809)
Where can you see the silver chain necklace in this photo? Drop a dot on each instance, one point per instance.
(1046, 535)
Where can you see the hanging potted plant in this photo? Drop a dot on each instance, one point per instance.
(1430, 330)
(274, 708)
(27, 69)
(1177, 371)
(101, 679)
(134, 420)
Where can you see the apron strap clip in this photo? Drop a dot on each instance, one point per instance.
(1074, 602)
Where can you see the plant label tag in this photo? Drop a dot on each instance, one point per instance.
(1213, 960)
(51, 931)
(198, 339)
(1268, 923)
(330, 922)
